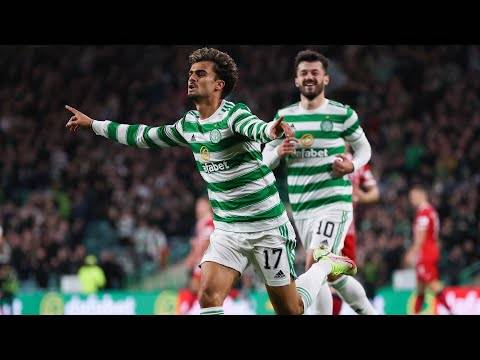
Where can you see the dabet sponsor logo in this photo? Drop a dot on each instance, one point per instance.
(56, 304)
(311, 153)
(94, 305)
(214, 167)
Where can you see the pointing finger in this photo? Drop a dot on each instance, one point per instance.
(73, 110)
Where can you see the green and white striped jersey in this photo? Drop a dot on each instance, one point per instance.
(226, 147)
(321, 133)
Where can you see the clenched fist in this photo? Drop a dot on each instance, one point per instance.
(342, 166)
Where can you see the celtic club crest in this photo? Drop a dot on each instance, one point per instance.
(215, 136)
(326, 125)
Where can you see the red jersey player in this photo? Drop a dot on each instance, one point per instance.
(424, 252)
(365, 191)
(201, 239)
(187, 299)
(198, 244)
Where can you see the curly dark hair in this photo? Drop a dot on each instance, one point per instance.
(310, 56)
(224, 66)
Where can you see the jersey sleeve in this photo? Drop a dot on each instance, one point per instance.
(422, 221)
(243, 122)
(142, 136)
(352, 130)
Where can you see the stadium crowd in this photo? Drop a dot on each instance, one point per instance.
(63, 196)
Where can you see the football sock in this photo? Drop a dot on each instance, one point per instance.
(310, 282)
(353, 293)
(212, 311)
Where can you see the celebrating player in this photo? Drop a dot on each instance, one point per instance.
(318, 186)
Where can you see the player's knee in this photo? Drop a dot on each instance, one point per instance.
(208, 297)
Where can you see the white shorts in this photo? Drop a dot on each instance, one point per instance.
(271, 252)
(328, 227)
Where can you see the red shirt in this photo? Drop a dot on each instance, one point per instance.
(203, 229)
(426, 218)
(361, 178)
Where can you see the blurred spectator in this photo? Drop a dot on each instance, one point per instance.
(62, 264)
(150, 243)
(41, 268)
(8, 288)
(126, 227)
(454, 265)
(114, 274)
(8, 279)
(91, 276)
(78, 257)
(373, 273)
(5, 250)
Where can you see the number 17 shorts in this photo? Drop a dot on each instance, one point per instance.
(271, 252)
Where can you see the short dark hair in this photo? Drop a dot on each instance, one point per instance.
(310, 56)
(421, 187)
(224, 66)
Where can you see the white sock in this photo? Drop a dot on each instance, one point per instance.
(310, 282)
(212, 311)
(353, 293)
(323, 304)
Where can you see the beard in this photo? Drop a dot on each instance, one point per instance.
(314, 92)
(193, 97)
(196, 97)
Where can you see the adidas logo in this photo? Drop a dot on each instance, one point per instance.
(279, 275)
(193, 138)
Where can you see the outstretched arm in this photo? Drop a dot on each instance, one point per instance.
(243, 122)
(142, 136)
